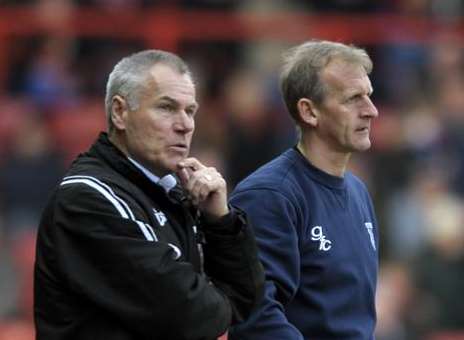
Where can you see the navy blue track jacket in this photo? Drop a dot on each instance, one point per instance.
(318, 241)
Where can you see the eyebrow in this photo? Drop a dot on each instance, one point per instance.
(358, 91)
(171, 100)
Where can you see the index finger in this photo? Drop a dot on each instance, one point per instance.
(183, 175)
(191, 163)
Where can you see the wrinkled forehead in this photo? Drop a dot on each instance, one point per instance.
(168, 82)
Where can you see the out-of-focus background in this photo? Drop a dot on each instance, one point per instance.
(55, 56)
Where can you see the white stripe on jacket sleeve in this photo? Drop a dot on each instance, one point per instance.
(121, 206)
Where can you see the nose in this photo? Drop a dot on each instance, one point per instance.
(370, 110)
(184, 122)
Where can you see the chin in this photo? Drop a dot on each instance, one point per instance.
(359, 146)
(164, 168)
(172, 167)
(364, 146)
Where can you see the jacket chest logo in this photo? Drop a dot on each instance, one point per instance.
(160, 217)
(318, 235)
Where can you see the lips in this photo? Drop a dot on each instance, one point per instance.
(179, 147)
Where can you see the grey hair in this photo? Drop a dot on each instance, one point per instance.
(300, 76)
(130, 74)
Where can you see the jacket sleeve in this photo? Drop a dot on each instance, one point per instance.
(274, 220)
(231, 261)
(106, 257)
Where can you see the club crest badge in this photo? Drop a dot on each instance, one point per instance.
(370, 228)
(160, 217)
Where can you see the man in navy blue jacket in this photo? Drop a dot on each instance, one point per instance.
(313, 219)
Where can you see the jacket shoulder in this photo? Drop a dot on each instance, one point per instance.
(279, 175)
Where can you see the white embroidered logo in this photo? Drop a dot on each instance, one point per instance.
(177, 252)
(318, 235)
(370, 228)
(160, 217)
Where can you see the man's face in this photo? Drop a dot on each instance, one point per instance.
(346, 112)
(158, 134)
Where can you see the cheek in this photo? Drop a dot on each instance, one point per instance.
(148, 137)
(152, 130)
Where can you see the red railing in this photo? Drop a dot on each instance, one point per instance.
(165, 27)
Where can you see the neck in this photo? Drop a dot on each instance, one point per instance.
(117, 141)
(322, 156)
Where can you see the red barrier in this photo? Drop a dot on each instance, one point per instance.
(167, 27)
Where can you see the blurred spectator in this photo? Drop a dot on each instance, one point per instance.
(253, 131)
(49, 80)
(451, 112)
(408, 210)
(28, 174)
(393, 302)
(439, 274)
(407, 60)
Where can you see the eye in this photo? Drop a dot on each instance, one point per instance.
(355, 97)
(166, 107)
(190, 111)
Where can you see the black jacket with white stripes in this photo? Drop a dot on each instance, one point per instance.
(119, 259)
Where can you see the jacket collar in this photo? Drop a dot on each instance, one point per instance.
(104, 149)
(167, 182)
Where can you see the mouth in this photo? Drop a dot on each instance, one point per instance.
(179, 147)
(363, 129)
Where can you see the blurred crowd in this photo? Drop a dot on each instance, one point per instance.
(51, 108)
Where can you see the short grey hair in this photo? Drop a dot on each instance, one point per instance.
(300, 76)
(130, 75)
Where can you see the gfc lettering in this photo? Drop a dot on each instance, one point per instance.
(318, 235)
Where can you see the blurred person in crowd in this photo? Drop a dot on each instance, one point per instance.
(314, 221)
(49, 81)
(138, 240)
(407, 209)
(28, 173)
(252, 125)
(451, 111)
(394, 300)
(438, 270)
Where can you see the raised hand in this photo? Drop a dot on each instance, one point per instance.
(205, 186)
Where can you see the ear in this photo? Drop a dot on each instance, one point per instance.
(119, 112)
(307, 112)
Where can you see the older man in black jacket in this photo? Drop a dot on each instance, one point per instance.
(137, 241)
